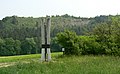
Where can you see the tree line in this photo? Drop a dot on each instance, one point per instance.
(27, 29)
(104, 40)
(9, 46)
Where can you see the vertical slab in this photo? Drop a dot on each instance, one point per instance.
(43, 54)
(43, 40)
(42, 32)
(48, 30)
(49, 54)
(48, 37)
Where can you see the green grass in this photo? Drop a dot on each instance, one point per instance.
(66, 65)
(23, 57)
(18, 58)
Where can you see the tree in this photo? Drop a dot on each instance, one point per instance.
(17, 47)
(107, 34)
(68, 40)
(9, 45)
(2, 48)
(28, 46)
(88, 45)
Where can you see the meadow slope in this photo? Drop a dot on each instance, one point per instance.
(30, 64)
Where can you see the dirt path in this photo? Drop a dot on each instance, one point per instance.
(6, 64)
(11, 63)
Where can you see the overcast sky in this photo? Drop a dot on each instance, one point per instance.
(38, 8)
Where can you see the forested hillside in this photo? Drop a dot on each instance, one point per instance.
(25, 31)
(22, 27)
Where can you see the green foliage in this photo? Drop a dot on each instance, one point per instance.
(77, 45)
(88, 45)
(17, 47)
(28, 46)
(69, 41)
(107, 34)
(2, 48)
(55, 47)
(103, 41)
(9, 46)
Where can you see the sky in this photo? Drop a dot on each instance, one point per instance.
(39, 8)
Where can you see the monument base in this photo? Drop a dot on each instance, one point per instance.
(48, 55)
(43, 54)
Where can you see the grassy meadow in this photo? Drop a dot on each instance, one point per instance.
(31, 64)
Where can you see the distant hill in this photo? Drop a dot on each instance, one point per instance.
(22, 27)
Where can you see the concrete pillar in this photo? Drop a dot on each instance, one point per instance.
(43, 54)
(49, 54)
(42, 40)
(45, 36)
(48, 38)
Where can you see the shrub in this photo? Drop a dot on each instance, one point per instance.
(68, 40)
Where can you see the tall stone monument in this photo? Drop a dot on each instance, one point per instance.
(45, 36)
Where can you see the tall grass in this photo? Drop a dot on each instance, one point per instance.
(67, 65)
